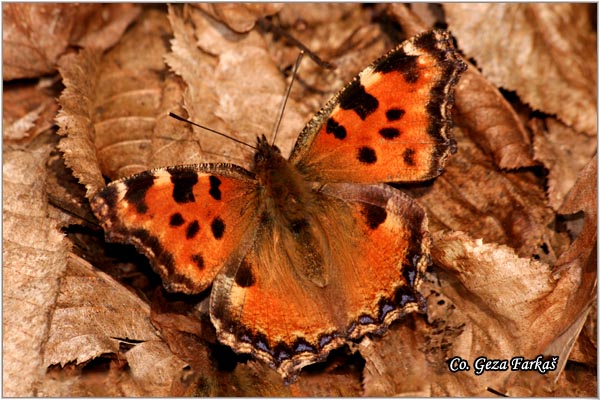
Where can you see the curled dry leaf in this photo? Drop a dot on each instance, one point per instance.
(36, 35)
(491, 122)
(34, 257)
(240, 17)
(79, 74)
(564, 152)
(110, 104)
(547, 54)
(488, 118)
(583, 197)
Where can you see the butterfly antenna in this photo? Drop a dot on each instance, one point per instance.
(287, 95)
(173, 115)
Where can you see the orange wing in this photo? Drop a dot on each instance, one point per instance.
(185, 219)
(378, 244)
(391, 123)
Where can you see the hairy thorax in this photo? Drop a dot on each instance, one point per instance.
(290, 206)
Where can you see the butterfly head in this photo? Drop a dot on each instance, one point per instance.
(267, 155)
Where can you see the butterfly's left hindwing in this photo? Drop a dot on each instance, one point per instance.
(377, 251)
(186, 220)
(391, 123)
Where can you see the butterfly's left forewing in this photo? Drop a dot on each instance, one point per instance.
(185, 219)
(391, 123)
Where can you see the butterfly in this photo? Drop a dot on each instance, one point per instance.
(308, 252)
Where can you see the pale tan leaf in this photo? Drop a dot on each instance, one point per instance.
(34, 258)
(93, 315)
(233, 85)
(111, 103)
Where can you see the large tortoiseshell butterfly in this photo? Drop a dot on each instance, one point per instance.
(308, 252)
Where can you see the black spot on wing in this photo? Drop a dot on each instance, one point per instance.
(218, 227)
(355, 98)
(198, 260)
(214, 190)
(374, 216)
(183, 181)
(176, 220)
(366, 155)
(394, 114)
(408, 157)
(137, 187)
(244, 276)
(389, 133)
(339, 132)
(399, 61)
(192, 229)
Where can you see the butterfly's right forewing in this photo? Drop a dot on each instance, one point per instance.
(187, 220)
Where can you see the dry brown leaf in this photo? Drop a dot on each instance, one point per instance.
(34, 258)
(341, 34)
(156, 369)
(564, 152)
(27, 110)
(35, 35)
(491, 122)
(240, 17)
(547, 54)
(480, 107)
